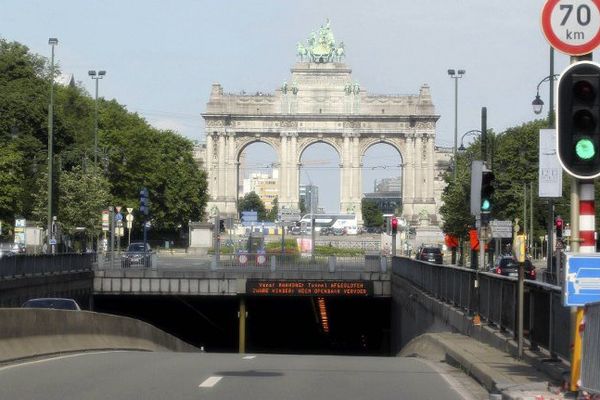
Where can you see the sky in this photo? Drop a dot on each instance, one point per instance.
(162, 57)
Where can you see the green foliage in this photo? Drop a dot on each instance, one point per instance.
(372, 215)
(514, 161)
(302, 207)
(272, 215)
(131, 153)
(338, 251)
(251, 202)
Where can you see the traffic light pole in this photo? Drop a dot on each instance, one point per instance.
(579, 190)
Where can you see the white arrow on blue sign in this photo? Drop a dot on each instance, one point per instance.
(582, 279)
(118, 217)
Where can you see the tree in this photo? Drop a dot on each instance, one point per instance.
(251, 202)
(302, 207)
(272, 215)
(372, 215)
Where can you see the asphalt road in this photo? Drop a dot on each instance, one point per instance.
(173, 376)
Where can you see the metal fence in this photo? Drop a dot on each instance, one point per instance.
(307, 263)
(545, 317)
(590, 364)
(254, 262)
(39, 264)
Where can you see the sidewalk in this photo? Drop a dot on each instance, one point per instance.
(495, 370)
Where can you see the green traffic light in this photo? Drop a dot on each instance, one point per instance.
(585, 149)
(485, 205)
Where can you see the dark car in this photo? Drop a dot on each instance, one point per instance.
(431, 254)
(53, 303)
(338, 231)
(508, 266)
(6, 250)
(325, 231)
(136, 255)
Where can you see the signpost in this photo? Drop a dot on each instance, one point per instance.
(581, 280)
(287, 216)
(572, 26)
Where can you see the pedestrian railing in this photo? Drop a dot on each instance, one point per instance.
(240, 263)
(24, 265)
(545, 318)
(590, 363)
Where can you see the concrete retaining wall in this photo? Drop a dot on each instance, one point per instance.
(26, 333)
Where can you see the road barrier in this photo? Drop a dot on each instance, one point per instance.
(590, 363)
(40, 264)
(27, 332)
(545, 317)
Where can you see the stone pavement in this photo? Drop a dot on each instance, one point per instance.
(498, 372)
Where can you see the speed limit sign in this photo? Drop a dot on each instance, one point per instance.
(260, 259)
(243, 258)
(572, 26)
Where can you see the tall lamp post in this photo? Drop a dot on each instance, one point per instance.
(456, 74)
(96, 76)
(52, 42)
(538, 105)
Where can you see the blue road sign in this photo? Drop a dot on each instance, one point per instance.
(582, 279)
(249, 216)
(118, 217)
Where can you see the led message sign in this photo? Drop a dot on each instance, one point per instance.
(261, 287)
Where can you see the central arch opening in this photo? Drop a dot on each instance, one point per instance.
(382, 170)
(319, 179)
(258, 172)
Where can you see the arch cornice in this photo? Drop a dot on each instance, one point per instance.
(396, 143)
(305, 142)
(242, 142)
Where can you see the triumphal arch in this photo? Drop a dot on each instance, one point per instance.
(322, 102)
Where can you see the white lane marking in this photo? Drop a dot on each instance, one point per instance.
(210, 382)
(24, 364)
(249, 357)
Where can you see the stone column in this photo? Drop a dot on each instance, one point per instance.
(284, 178)
(357, 180)
(430, 167)
(221, 168)
(231, 175)
(209, 165)
(346, 174)
(294, 171)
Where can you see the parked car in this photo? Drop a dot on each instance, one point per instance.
(338, 231)
(6, 250)
(19, 248)
(431, 254)
(508, 266)
(53, 303)
(295, 230)
(137, 255)
(325, 231)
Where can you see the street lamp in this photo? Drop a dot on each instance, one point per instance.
(537, 103)
(96, 76)
(471, 132)
(456, 75)
(52, 42)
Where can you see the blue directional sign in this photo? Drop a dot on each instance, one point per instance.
(582, 279)
(118, 217)
(249, 216)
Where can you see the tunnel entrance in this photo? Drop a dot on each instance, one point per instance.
(298, 325)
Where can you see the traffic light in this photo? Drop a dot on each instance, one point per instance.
(388, 225)
(394, 224)
(558, 222)
(144, 201)
(578, 116)
(487, 191)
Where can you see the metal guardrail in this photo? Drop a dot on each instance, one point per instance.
(239, 263)
(24, 265)
(590, 363)
(545, 317)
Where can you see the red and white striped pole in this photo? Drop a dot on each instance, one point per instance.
(587, 218)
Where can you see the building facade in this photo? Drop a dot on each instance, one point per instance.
(321, 102)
